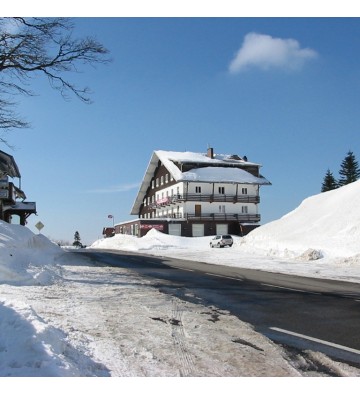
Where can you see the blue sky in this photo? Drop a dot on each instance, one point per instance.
(282, 91)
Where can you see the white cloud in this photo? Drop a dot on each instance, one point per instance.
(266, 52)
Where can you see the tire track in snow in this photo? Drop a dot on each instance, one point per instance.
(178, 336)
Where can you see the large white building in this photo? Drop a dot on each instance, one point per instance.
(197, 194)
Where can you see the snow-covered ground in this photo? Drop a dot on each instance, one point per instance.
(320, 238)
(62, 316)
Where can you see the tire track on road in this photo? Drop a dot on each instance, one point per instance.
(178, 336)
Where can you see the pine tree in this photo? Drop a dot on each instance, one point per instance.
(77, 242)
(329, 182)
(349, 171)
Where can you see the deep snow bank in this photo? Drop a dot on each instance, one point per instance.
(324, 225)
(327, 224)
(153, 240)
(25, 258)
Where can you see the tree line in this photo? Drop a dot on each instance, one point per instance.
(348, 173)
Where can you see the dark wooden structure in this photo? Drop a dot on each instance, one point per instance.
(12, 198)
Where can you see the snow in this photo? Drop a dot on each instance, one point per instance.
(60, 315)
(208, 174)
(224, 174)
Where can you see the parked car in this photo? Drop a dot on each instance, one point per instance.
(221, 241)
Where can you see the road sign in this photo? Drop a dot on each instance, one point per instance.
(39, 226)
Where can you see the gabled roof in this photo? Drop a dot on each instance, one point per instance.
(222, 168)
(8, 166)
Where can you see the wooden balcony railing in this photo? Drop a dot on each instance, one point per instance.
(210, 198)
(225, 217)
(215, 217)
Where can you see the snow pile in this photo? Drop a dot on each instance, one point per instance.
(325, 225)
(152, 241)
(318, 239)
(26, 258)
(30, 347)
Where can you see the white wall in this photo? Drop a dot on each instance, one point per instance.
(206, 207)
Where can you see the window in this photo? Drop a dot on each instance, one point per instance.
(222, 190)
(244, 191)
(152, 184)
(244, 209)
(166, 178)
(198, 189)
(222, 209)
(157, 182)
(162, 180)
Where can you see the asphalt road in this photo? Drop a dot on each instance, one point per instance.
(299, 312)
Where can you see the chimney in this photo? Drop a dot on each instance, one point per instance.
(210, 153)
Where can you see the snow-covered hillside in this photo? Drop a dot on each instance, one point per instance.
(328, 223)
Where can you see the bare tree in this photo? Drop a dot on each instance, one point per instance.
(30, 47)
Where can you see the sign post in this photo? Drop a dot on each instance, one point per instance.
(39, 226)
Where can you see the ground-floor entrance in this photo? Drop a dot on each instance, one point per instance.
(185, 228)
(198, 230)
(222, 229)
(175, 229)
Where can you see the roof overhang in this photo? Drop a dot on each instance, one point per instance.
(145, 184)
(8, 166)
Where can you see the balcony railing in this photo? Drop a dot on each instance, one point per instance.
(225, 217)
(210, 198)
(214, 217)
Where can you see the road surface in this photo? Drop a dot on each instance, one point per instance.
(298, 312)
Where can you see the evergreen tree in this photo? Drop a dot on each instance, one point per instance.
(349, 171)
(77, 242)
(329, 182)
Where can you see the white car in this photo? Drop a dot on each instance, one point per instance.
(221, 241)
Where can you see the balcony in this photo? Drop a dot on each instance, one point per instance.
(8, 192)
(224, 217)
(199, 197)
(214, 217)
(210, 198)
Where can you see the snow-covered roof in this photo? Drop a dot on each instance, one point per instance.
(8, 166)
(168, 159)
(215, 172)
(222, 174)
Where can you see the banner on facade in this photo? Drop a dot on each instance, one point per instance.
(150, 226)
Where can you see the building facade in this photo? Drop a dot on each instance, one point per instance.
(12, 198)
(197, 194)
